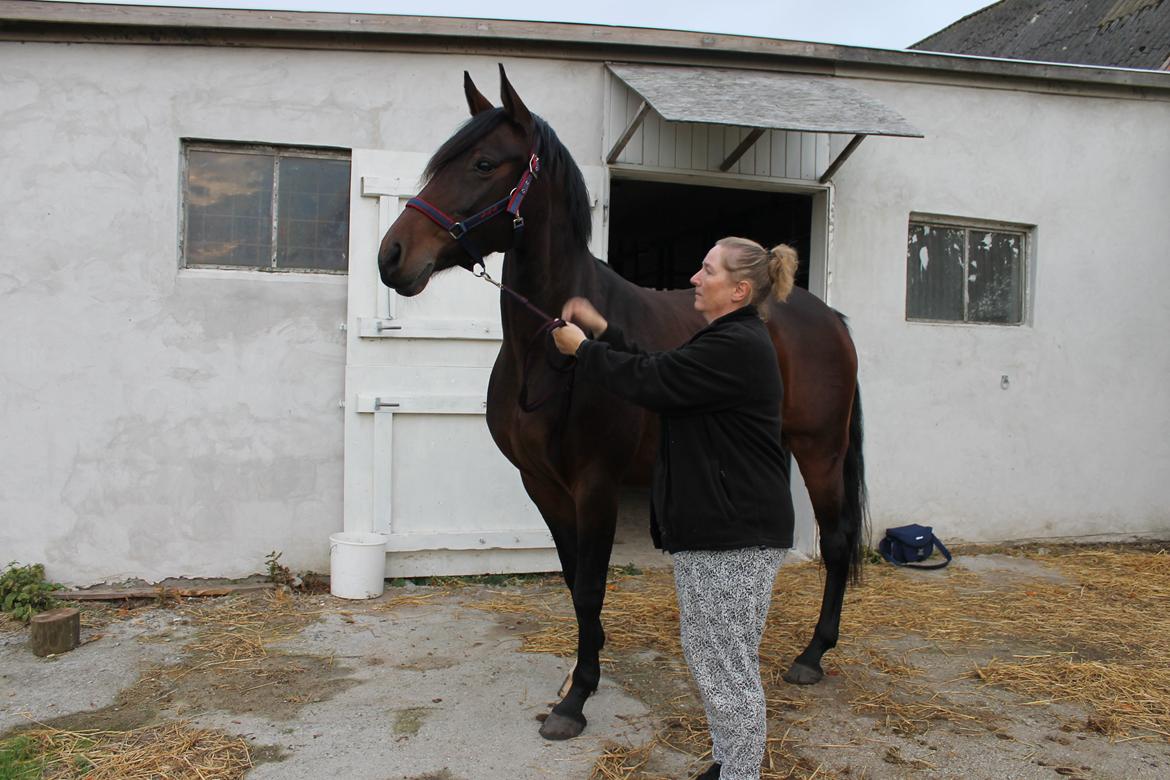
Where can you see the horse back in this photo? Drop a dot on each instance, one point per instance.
(818, 364)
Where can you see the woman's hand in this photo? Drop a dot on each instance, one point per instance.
(568, 337)
(582, 312)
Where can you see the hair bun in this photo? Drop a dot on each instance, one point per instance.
(782, 265)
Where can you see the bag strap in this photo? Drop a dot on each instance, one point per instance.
(884, 549)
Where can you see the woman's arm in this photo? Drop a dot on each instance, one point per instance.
(582, 312)
(705, 375)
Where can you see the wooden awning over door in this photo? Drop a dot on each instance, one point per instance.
(762, 100)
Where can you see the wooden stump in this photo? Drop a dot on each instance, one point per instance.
(55, 631)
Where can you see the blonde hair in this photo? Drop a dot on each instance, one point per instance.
(772, 273)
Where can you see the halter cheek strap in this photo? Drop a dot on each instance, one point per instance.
(460, 230)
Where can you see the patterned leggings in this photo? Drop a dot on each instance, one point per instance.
(723, 598)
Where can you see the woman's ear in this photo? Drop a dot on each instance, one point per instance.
(742, 291)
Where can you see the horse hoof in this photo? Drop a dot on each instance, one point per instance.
(561, 726)
(799, 674)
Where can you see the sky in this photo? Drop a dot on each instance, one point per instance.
(893, 24)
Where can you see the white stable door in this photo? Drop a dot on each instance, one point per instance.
(420, 465)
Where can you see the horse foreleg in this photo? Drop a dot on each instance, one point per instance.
(823, 477)
(596, 518)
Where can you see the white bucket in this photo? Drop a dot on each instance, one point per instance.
(357, 565)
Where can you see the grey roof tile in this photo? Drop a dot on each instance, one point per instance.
(1121, 33)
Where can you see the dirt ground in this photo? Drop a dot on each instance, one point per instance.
(448, 681)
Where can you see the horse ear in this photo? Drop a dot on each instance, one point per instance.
(476, 102)
(513, 105)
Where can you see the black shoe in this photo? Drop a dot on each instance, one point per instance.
(712, 773)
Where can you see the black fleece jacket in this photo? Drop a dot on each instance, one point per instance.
(721, 478)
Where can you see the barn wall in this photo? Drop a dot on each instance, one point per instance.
(1078, 444)
(164, 422)
(161, 422)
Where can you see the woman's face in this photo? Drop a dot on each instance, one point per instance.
(716, 292)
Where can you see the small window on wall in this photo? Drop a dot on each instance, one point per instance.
(265, 208)
(965, 272)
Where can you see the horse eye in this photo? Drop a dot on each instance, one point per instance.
(485, 166)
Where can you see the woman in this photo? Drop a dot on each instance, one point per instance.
(720, 504)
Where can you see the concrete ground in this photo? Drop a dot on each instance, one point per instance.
(422, 684)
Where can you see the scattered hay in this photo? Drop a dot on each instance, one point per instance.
(171, 751)
(233, 642)
(1129, 700)
(411, 600)
(623, 762)
(1099, 626)
(908, 715)
(238, 630)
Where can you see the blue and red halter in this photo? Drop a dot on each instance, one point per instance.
(460, 230)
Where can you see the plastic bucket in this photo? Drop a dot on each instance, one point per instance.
(357, 565)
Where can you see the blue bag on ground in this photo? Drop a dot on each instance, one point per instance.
(906, 545)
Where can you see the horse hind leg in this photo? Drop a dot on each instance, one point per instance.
(836, 487)
(596, 520)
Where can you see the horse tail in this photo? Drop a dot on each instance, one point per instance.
(855, 508)
(855, 511)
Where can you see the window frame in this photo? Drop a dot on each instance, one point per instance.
(277, 151)
(967, 224)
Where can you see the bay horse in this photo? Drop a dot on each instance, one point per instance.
(575, 451)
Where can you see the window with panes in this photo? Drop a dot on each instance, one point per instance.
(265, 208)
(965, 272)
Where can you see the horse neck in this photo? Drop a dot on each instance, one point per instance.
(547, 269)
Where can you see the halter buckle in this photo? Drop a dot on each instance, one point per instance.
(518, 222)
(458, 231)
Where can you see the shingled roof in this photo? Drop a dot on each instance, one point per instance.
(1122, 33)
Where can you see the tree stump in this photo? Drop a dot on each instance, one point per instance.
(55, 631)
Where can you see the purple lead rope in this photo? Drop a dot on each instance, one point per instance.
(550, 324)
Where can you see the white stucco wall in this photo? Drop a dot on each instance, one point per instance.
(162, 422)
(1078, 444)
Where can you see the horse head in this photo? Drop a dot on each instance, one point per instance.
(474, 170)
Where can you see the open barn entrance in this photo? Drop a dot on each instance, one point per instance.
(659, 232)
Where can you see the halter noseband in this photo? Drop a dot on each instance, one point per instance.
(460, 230)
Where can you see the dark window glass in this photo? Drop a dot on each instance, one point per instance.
(962, 274)
(229, 209)
(934, 273)
(229, 217)
(313, 230)
(995, 277)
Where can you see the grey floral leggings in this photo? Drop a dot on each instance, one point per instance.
(723, 598)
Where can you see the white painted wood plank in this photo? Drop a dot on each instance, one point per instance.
(779, 150)
(822, 154)
(666, 156)
(699, 147)
(408, 328)
(518, 539)
(747, 163)
(382, 468)
(382, 405)
(763, 154)
(650, 139)
(715, 152)
(808, 156)
(682, 146)
(617, 112)
(633, 150)
(792, 155)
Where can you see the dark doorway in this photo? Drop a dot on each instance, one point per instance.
(659, 233)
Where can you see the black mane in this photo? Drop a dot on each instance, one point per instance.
(555, 161)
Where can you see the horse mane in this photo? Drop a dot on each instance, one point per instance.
(555, 160)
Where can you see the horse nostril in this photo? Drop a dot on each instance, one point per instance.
(391, 257)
